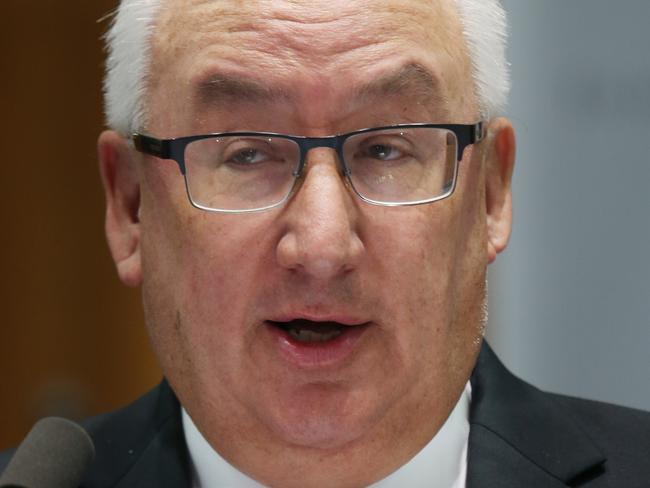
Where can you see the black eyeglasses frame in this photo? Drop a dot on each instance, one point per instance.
(466, 135)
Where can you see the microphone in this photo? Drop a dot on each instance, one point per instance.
(55, 454)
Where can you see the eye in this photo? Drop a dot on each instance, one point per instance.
(389, 148)
(248, 156)
(249, 152)
(383, 152)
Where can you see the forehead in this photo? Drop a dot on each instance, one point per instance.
(299, 23)
(306, 42)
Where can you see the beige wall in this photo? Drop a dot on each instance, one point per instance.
(71, 336)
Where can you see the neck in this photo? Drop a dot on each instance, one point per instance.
(358, 463)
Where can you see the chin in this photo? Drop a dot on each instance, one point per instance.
(322, 419)
(317, 432)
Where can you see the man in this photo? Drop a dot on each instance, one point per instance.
(309, 194)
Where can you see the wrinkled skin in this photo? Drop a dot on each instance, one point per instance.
(417, 274)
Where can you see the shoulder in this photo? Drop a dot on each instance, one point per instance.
(622, 434)
(137, 420)
(550, 437)
(141, 444)
(608, 422)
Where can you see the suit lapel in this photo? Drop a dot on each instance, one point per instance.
(162, 464)
(519, 436)
(494, 463)
(141, 445)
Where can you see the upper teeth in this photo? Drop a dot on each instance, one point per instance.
(304, 335)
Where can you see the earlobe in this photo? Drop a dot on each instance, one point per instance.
(500, 161)
(122, 190)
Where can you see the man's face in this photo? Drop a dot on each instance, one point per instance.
(406, 283)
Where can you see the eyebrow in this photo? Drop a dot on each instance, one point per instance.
(232, 88)
(412, 81)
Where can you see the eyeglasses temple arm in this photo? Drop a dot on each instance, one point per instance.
(152, 146)
(479, 132)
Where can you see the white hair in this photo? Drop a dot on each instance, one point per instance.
(128, 43)
(485, 26)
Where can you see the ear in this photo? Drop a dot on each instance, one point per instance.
(500, 162)
(122, 189)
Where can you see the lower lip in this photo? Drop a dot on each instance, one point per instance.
(312, 355)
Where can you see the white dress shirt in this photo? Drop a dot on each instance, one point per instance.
(442, 463)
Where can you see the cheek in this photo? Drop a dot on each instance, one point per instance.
(433, 272)
(203, 271)
(416, 253)
(413, 258)
(197, 295)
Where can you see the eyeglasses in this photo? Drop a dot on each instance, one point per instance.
(236, 172)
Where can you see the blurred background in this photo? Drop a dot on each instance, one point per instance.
(570, 298)
(72, 340)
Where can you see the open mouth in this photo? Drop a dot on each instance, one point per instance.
(310, 344)
(309, 332)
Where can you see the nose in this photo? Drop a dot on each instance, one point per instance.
(320, 237)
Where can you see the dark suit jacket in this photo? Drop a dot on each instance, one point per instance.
(520, 437)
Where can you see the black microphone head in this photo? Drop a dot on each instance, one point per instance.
(55, 454)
